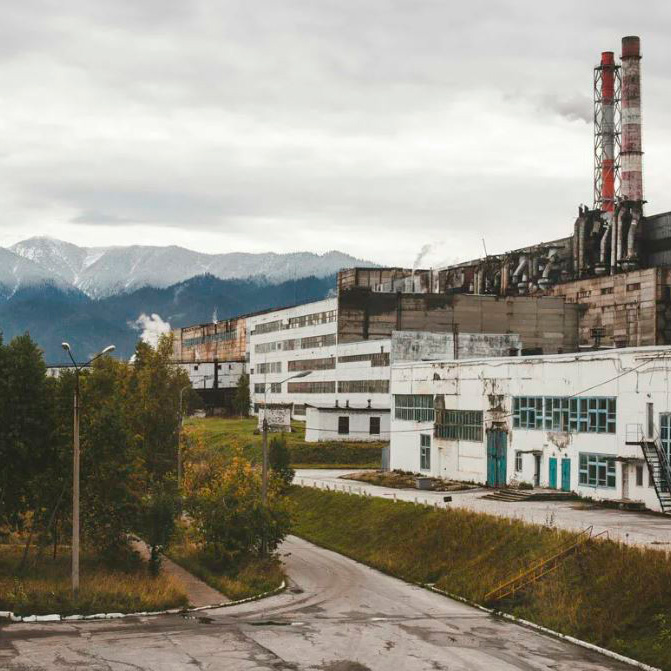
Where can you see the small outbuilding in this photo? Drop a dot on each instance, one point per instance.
(346, 423)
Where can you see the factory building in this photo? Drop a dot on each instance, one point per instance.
(214, 356)
(594, 423)
(616, 264)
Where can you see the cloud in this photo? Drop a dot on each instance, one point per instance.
(152, 327)
(266, 126)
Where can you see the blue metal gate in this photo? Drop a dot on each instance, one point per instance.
(497, 449)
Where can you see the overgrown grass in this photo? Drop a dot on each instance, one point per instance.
(222, 433)
(405, 480)
(247, 578)
(45, 587)
(614, 595)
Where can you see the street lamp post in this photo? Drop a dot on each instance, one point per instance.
(75, 465)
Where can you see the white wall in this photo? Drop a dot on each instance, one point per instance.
(489, 385)
(360, 370)
(201, 375)
(322, 424)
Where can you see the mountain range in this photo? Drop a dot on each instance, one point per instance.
(92, 297)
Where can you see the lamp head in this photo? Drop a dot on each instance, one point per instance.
(65, 346)
(108, 349)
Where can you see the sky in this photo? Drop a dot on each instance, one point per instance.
(375, 127)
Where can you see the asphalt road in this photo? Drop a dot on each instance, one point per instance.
(337, 615)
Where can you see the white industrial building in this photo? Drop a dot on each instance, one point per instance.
(214, 374)
(295, 358)
(594, 423)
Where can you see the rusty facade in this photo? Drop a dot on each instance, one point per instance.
(224, 340)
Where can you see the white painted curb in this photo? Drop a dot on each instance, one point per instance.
(10, 617)
(545, 630)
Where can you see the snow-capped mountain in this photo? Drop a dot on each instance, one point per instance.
(18, 272)
(100, 272)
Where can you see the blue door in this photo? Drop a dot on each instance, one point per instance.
(566, 475)
(497, 448)
(553, 473)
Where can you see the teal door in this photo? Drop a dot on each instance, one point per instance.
(497, 448)
(566, 475)
(553, 473)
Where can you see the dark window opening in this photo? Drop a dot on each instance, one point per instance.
(375, 426)
(343, 426)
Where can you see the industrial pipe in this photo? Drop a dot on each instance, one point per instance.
(631, 154)
(615, 232)
(520, 267)
(632, 236)
(605, 239)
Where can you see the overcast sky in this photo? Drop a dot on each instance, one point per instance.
(369, 126)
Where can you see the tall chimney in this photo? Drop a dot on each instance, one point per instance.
(608, 131)
(631, 154)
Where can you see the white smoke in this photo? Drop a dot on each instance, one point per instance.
(214, 316)
(422, 253)
(152, 327)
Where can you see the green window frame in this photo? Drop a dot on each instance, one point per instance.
(597, 470)
(459, 425)
(665, 433)
(424, 452)
(414, 407)
(590, 414)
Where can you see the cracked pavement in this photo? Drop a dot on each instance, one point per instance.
(336, 615)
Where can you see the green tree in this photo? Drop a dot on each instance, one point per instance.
(241, 398)
(279, 458)
(224, 502)
(152, 408)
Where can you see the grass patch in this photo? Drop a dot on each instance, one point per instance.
(610, 594)
(245, 579)
(405, 480)
(220, 433)
(45, 587)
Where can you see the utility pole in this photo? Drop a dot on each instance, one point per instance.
(75, 465)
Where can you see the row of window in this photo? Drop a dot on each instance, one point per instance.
(553, 413)
(459, 425)
(344, 387)
(214, 337)
(325, 363)
(311, 342)
(296, 322)
(269, 367)
(414, 407)
(273, 388)
(377, 359)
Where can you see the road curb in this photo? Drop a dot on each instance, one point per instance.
(550, 632)
(8, 616)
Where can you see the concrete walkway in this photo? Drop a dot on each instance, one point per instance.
(198, 592)
(645, 529)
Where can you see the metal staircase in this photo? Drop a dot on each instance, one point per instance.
(658, 463)
(539, 568)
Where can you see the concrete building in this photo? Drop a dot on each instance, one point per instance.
(595, 423)
(348, 423)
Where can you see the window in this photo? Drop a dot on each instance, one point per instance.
(584, 293)
(259, 388)
(327, 363)
(195, 367)
(606, 290)
(414, 407)
(268, 327)
(376, 358)
(276, 388)
(518, 461)
(424, 452)
(374, 426)
(312, 319)
(343, 425)
(459, 425)
(299, 409)
(270, 367)
(318, 341)
(634, 286)
(577, 414)
(363, 387)
(213, 337)
(665, 433)
(597, 470)
(219, 366)
(639, 476)
(311, 387)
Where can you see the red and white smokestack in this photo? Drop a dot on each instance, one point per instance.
(608, 131)
(631, 163)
